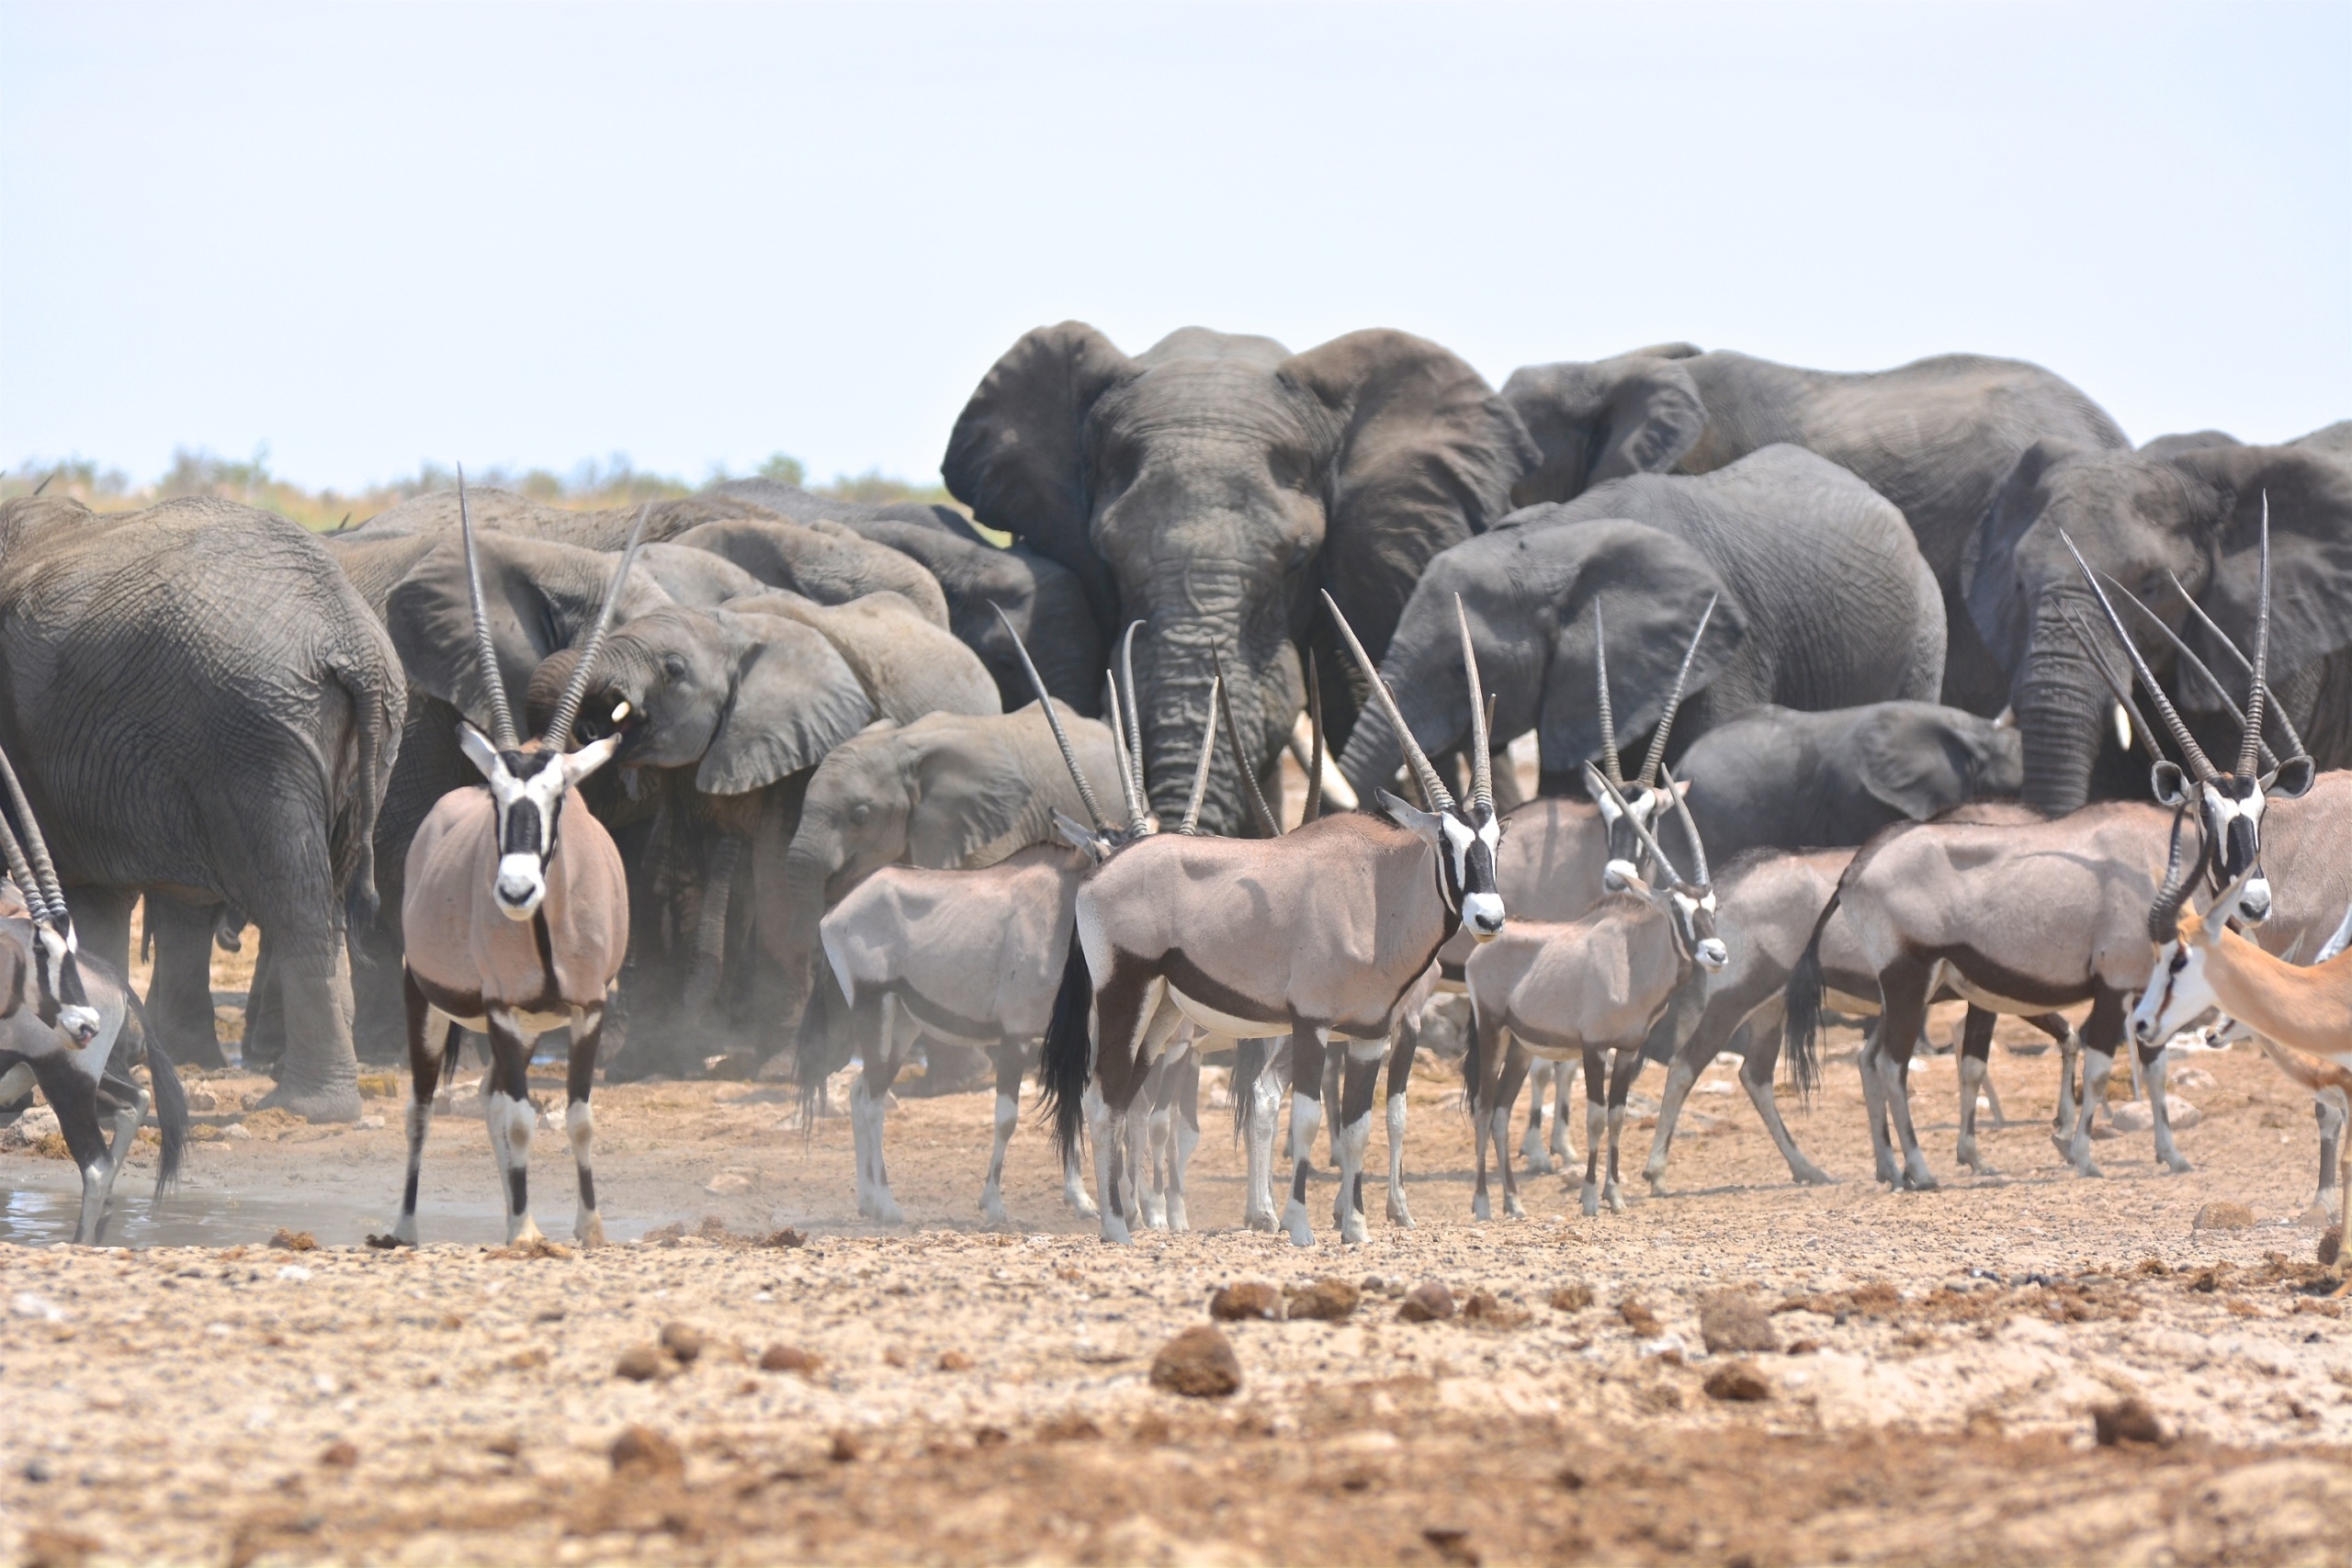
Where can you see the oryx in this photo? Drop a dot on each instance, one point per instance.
(1320, 932)
(516, 921)
(1592, 987)
(973, 957)
(63, 1013)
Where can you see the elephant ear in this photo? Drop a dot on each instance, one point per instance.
(2311, 549)
(908, 666)
(1907, 757)
(1017, 456)
(967, 798)
(696, 578)
(1650, 588)
(539, 597)
(794, 700)
(1988, 576)
(1422, 456)
(1638, 414)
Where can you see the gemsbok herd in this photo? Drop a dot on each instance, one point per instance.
(1589, 936)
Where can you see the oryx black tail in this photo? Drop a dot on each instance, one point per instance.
(1068, 1057)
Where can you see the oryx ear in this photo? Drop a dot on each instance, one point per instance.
(2291, 779)
(578, 765)
(1600, 796)
(1425, 823)
(1681, 787)
(1078, 835)
(2171, 784)
(478, 749)
(1619, 876)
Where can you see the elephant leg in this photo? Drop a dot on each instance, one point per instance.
(261, 1044)
(580, 1121)
(319, 1076)
(179, 995)
(377, 969)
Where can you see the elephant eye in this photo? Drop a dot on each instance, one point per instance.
(673, 665)
(860, 812)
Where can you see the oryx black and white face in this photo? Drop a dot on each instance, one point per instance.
(526, 791)
(62, 1003)
(1465, 837)
(1694, 915)
(1645, 805)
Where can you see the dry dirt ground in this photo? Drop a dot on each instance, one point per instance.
(952, 1392)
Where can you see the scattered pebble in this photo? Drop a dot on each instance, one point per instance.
(294, 1241)
(1738, 1382)
(2225, 1215)
(2128, 1420)
(638, 1363)
(1251, 1298)
(641, 1452)
(683, 1341)
(1199, 1363)
(1489, 1310)
(789, 1358)
(1733, 1322)
(341, 1455)
(1328, 1300)
(1429, 1302)
(955, 1361)
(1640, 1318)
(1572, 1298)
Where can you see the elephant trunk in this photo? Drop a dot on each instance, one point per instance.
(1177, 664)
(2060, 704)
(1428, 693)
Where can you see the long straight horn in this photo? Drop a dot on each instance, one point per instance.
(2255, 693)
(2119, 690)
(1482, 759)
(1135, 706)
(22, 874)
(2187, 656)
(36, 846)
(1192, 823)
(1267, 822)
(1656, 758)
(1649, 841)
(2272, 709)
(558, 731)
(1433, 788)
(2197, 763)
(2164, 914)
(1069, 756)
(1611, 765)
(1315, 729)
(1682, 810)
(502, 717)
(1130, 787)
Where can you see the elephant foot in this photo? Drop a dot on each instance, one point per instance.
(336, 1101)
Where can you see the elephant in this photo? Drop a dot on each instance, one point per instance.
(1212, 485)
(1040, 597)
(205, 710)
(2176, 511)
(947, 790)
(1936, 437)
(1822, 602)
(1777, 778)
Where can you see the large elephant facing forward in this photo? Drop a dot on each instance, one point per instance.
(1210, 485)
(2176, 510)
(202, 706)
(1936, 437)
(1823, 602)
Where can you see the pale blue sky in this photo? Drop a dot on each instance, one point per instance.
(526, 235)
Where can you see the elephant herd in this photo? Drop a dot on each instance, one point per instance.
(245, 725)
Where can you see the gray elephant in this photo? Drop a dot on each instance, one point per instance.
(948, 789)
(1211, 485)
(2176, 512)
(1780, 779)
(1936, 437)
(1823, 602)
(204, 709)
(1040, 597)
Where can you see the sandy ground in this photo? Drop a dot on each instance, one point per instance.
(985, 1395)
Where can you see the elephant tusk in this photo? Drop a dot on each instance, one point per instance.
(1335, 785)
(621, 711)
(2122, 727)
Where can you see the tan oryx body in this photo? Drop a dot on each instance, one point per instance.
(515, 921)
(1319, 934)
(968, 957)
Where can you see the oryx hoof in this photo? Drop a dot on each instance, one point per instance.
(1114, 1230)
(1889, 1173)
(2176, 1165)
(1920, 1181)
(523, 1233)
(887, 1212)
(1399, 1215)
(1512, 1208)
(402, 1234)
(1353, 1232)
(992, 1210)
(1260, 1220)
(1294, 1224)
(1083, 1206)
(1538, 1163)
(1589, 1200)
(1178, 1220)
(1615, 1198)
(1480, 1209)
(588, 1230)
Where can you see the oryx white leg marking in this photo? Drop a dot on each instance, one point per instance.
(1008, 1113)
(1399, 1213)
(1531, 1147)
(1973, 1076)
(2097, 1066)
(1265, 1116)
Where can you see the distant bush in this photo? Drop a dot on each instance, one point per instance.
(615, 481)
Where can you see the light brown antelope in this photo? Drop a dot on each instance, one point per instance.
(1592, 988)
(516, 920)
(1320, 932)
(63, 1013)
